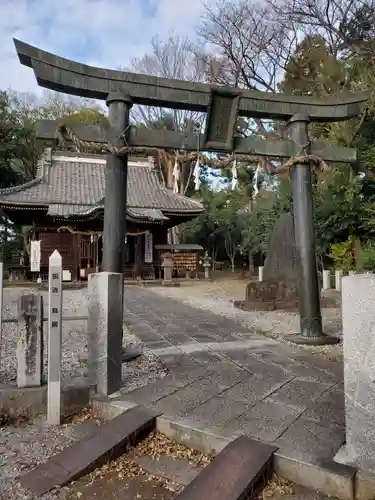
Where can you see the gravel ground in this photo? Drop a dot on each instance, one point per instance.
(24, 445)
(74, 343)
(217, 297)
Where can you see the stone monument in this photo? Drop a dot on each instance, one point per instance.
(278, 288)
(223, 106)
(30, 341)
(358, 321)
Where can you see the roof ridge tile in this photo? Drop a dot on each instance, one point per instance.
(74, 184)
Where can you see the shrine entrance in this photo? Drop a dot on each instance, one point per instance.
(223, 105)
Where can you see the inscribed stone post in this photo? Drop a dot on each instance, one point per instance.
(326, 279)
(260, 273)
(54, 338)
(1, 307)
(30, 341)
(358, 320)
(104, 326)
(338, 279)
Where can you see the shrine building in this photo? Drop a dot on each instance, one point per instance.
(64, 209)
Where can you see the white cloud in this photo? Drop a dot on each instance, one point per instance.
(107, 33)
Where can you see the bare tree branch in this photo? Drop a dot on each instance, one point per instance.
(174, 58)
(246, 48)
(336, 21)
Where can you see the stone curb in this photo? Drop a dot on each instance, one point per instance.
(333, 479)
(32, 401)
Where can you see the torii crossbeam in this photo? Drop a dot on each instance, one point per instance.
(223, 106)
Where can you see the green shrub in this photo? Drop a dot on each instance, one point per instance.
(368, 256)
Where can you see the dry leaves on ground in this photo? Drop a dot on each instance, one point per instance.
(157, 444)
(277, 487)
(84, 415)
(154, 445)
(9, 420)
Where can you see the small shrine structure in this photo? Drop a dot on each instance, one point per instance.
(64, 209)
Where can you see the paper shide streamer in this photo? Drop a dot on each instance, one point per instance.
(234, 175)
(176, 176)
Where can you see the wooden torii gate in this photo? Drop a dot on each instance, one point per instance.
(122, 89)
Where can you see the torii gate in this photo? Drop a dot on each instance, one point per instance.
(121, 90)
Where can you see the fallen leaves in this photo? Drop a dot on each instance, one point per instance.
(84, 415)
(276, 486)
(123, 468)
(6, 419)
(157, 444)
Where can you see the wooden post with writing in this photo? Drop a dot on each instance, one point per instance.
(54, 338)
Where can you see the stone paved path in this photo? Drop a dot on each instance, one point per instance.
(225, 378)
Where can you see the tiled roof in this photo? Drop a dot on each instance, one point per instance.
(74, 184)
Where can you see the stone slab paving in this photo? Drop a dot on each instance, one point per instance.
(227, 379)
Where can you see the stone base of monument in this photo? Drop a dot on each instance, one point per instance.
(364, 485)
(343, 456)
(272, 295)
(32, 401)
(322, 339)
(358, 321)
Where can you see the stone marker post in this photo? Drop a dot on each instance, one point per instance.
(358, 321)
(260, 273)
(30, 341)
(1, 307)
(326, 279)
(338, 278)
(104, 327)
(54, 339)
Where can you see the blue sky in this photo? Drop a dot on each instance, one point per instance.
(106, 33)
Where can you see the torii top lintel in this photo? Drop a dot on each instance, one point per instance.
(63, 75)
